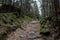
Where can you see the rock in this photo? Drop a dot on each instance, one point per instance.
(31, 35)
(34, 22)
(22, 35)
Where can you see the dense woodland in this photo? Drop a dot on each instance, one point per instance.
(28, 10)
(20, 5)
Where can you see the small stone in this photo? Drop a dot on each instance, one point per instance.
(22, 36)
(31, 35)
(33, 22)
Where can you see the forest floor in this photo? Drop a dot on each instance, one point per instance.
(29, 31)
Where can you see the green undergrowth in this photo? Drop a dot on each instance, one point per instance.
(10, 23)
(27, 18)
(43, 23)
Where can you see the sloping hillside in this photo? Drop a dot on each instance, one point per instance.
(9, 23)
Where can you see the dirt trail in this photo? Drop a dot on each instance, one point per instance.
(30, 32)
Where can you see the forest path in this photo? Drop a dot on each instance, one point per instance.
(29, 31)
